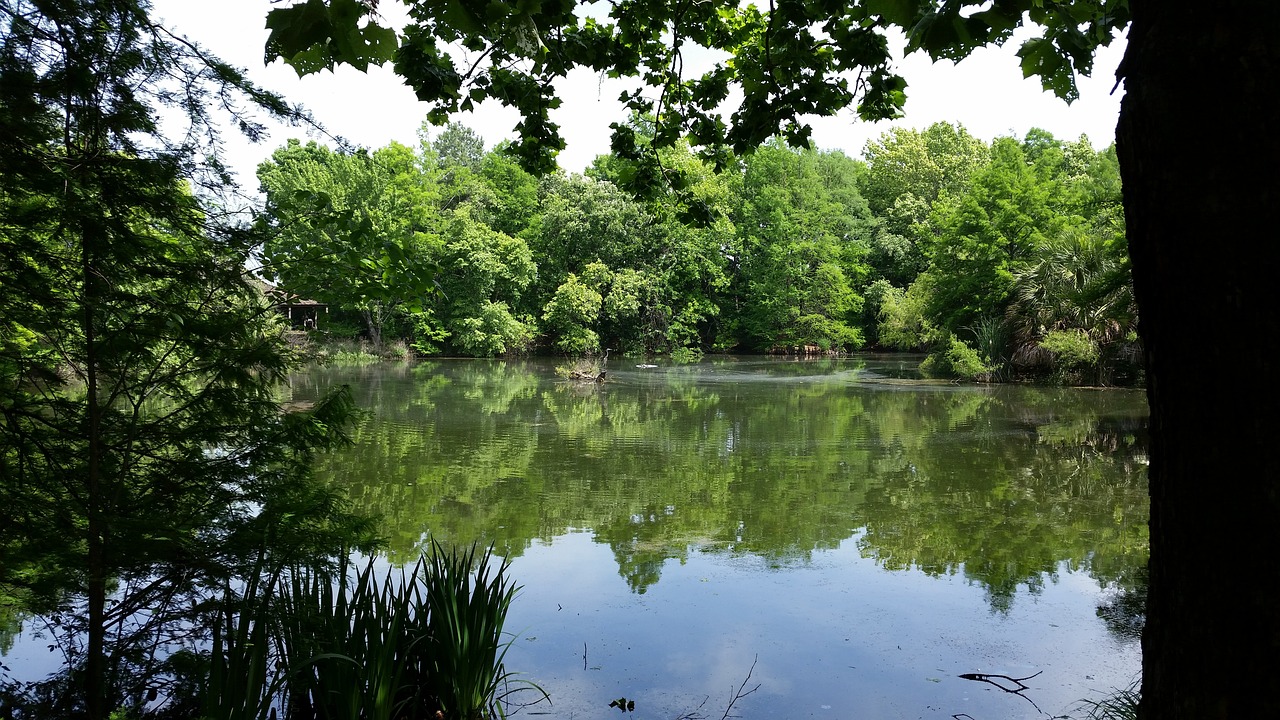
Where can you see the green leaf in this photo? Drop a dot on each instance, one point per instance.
(1041, 57)
(313, 36)
(898, 12)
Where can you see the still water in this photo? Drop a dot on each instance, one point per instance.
(842, 535)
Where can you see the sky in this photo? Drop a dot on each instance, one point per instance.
(985, 93)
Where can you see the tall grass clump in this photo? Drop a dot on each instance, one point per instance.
(991, 341)
(352, 644)
(242, 682)
(467, 600)
(1121, 704)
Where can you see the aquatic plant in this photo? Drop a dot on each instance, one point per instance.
(466, 612)
(1121, 704)
(343, 644)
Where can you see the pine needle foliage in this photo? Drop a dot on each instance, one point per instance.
(147, 470)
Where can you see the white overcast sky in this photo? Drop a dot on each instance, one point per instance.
(985, 93)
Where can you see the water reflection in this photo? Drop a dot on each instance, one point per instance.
(865, 535)
(774, 459)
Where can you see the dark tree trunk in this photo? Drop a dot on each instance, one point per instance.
(95, 661)
(1199, 146)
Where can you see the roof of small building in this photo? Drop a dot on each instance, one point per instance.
(281, 296)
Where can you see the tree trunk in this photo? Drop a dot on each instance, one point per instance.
(1199, 143)
(95, 660)
(373, 325)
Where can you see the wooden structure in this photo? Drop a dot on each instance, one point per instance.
(303, 314)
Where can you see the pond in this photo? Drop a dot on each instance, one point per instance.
(848, 538)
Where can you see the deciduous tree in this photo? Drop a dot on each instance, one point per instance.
(804, 232)
(348, 228)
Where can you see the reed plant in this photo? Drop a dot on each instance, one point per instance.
(345, 644)
(1120, 704)
(242, 681)
(353, 644)
(468, 599)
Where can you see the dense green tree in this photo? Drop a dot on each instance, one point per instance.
(804, 230)
(146, 466)
(459, 146)
(573, 313)
(1027, 268)
(921, 164)
(585, 221)
(908, 171)
(982, 235)
(587, 232)
(449, 163)
(349, 228)
(512, 205)
(482, 275)
(692, 251)
(902, 319)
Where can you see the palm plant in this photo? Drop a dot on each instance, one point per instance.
(1078, 284)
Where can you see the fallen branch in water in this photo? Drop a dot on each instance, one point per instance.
(991, 679)
(738, 695)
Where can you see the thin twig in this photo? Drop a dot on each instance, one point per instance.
(740, 694)
(991, 678)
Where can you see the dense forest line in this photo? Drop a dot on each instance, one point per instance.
(1000, 260)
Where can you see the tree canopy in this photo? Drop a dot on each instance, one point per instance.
(797, 58)
(796, 260)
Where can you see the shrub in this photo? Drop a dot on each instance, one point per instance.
(427, 332)
(1072, 349)
(954, 359)
(903, 322)
(685, 355)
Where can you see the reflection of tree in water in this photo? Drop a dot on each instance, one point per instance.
(1125, 610)
(639, 565)
(1004, 486)
(10, 626)
(1009, 515)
